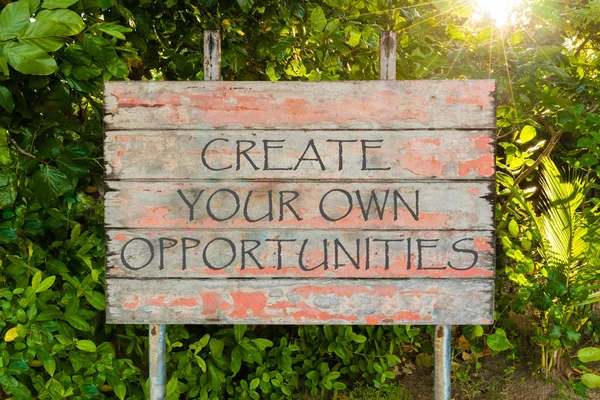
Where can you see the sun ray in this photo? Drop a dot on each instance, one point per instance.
(512, 95)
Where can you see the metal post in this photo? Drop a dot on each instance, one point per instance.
(441, 385)
(158, 364)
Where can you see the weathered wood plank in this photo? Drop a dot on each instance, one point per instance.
(300, 105)
(212, 55)
(288, 301)
(185, 155)
(153, 253)
(387, 55)
(315, 205)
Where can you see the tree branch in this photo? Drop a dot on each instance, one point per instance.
(14, 143)
(589, 37)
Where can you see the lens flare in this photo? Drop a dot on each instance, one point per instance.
(498, 10)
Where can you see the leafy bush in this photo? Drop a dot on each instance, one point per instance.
(54, 57)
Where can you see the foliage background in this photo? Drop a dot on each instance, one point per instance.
(54, 57)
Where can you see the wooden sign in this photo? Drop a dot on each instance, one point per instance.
(300, 202)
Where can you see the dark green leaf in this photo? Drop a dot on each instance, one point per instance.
(50, 178)
(245, 5)
(6, 99)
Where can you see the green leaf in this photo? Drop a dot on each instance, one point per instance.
(51, 4)
(86, 345)
(589, 354)
(498, 341)
(50, 178)
(216, 347)
(353, 37)
(47, 35)
(591, 381)
(29, 59)
(66, 22)
(6, 99)
(238, 332)
(4, 65)
(46, 283)
(472, 331)
(85, 73)
(120, 389)
(96, 299)
(513, 228)
(78, 323)
(317, 19)
(33, 5)
(262, 343)
(114, 29)
(527, 133)
(236, 360)
(245, 5)
(13, 18)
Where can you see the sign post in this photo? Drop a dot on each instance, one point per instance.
(327, 202)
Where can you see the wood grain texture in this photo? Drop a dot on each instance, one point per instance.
(299, 253)
(178, 155)
(289, 301)
(300, 105)
(312, 205)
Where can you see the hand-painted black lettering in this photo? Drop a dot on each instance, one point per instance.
(206, 251)
(355, 261)
(205, 150)
(187, 202)
(279, 250)
(244, 152)
(266, 145)
(185, 248)
(310, 145)
(124, 259)
(378, 209)
(162, 248)
(420, 247)
(364, 154)
(324, 264)
(463, 250)
(386, 246)
(209, 209)
(341, 151)
(322, 205)
(413, 212)
(287, 203)
(269, 213)
(249, 253)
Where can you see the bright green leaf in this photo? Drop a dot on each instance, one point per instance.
(498, 341)
(589, 354)
(317, 19)
(51, 4)
(513, 228)
(66, 22)
(46, 283)
(13, 18)
(527, 133)
(591, 381)
(86, 345)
